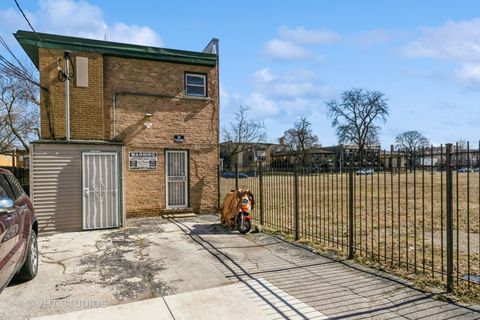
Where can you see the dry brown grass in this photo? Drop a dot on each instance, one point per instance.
(399, 218)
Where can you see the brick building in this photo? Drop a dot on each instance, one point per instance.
(143, 130)
(245, 154)
(18, 158)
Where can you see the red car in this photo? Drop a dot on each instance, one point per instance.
(18, 232)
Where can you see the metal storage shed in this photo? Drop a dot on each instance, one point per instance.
(77, 185)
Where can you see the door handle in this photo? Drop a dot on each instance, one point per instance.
(10, 215)
(85, 192)
(24, 209)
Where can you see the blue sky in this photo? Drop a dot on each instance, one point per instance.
(286, 58)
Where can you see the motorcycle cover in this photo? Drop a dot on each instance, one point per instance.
(231, 205)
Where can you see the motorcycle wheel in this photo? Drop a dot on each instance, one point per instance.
(245, 227)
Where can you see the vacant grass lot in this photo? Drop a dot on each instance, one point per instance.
(399, 218)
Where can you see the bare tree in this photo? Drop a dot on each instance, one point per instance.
(356, 116)
(409, 142)
(300, 140)
(461, 156)
(242, 134)
(18, 111)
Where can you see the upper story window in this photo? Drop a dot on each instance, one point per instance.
(195, 85)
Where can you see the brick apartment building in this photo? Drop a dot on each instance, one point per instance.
(144, 129)
(245, 154)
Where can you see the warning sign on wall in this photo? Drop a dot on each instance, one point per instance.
(142, 160)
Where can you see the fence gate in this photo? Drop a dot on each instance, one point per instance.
(176, 179)
(100, 190)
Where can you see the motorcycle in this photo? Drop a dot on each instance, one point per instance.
(243, 221)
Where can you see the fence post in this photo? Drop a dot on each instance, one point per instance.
(449, 213)
(219, 175)
(260, 187)
(297, 211)
(391, 159)
(236, 176)
(350, 214)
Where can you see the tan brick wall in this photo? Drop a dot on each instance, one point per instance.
(145, 190)
(173, 114)
(92, 118)
(87, 120)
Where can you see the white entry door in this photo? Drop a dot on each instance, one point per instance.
(100, 190)
(176, 173)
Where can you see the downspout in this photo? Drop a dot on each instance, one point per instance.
(218, 123)
(67, 98)
(114, 99)
(218, 95)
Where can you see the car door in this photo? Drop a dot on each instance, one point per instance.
(9, 230)
(23, 215)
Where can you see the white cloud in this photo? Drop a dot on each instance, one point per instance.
(262, 105)
(229, 98)
(72, 18)
(286, 50)
(287, 94)
(121, 32)
(78, 18)
(13, 18)
(225, 96)
(454, 40)
(264, 75)
(300, 83)
(289, 45)
(468, 74)
(278, 97)
(11, 21)
(301, 35)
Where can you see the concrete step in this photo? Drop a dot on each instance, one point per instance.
(179, 213)
(179, 210)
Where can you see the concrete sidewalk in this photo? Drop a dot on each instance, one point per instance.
(340, 290)
(254, 299)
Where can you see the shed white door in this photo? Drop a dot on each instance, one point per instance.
(100, 190)
(176, 169)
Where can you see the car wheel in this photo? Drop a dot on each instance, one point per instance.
(30, 267)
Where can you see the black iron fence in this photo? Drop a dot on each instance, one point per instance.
(417, 212)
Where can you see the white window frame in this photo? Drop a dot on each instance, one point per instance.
(204, 77)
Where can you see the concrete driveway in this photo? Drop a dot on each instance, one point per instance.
(190, 260)
(79, 270)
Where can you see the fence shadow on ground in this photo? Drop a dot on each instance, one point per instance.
(335, 287)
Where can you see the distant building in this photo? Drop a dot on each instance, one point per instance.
(245, 154)
(436, 156)
(330, 157)
(391, 160)
(15, 158)
(317, 157)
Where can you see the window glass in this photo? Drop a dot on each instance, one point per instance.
(195, 91)
(17, 188)
(195, 80)
(195, 85)
(5, 190)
